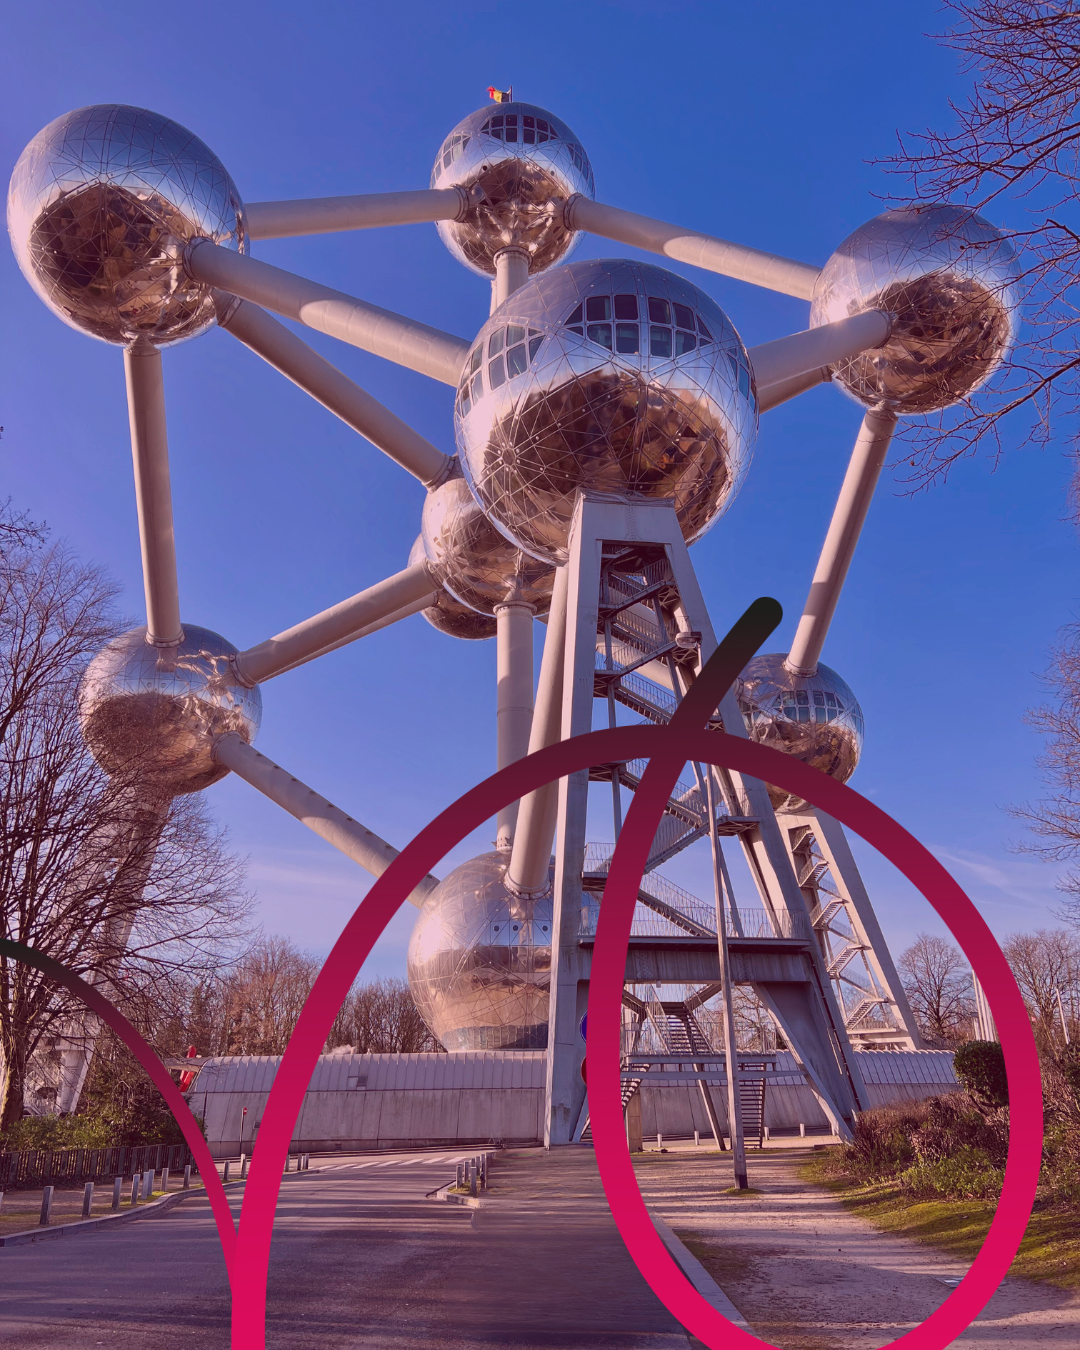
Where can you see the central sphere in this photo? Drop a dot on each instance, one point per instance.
(472, 560)
(102, 204)
(450, 616)
(479, 960)
(814, 717)
(946, 277)
(153, 713)
(519, 165)
(612, 376)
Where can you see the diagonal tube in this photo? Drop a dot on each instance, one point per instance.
(406, 612)
(324, 215)
(283, 350)
(405, 341)
(797, 354)
(153, 492)
(690, 246)
(772, 395)
(328, 821)
(315, 635)
(538, 812)
(864, 468)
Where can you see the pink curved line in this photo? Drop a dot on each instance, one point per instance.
(115, 1020)
(457, 821)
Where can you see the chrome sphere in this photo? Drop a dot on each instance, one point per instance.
(101, 206)
(474, 562)
(814, 717)
(519, 165)
(947, 278)
(479, 960)
(450, 616)
(154, 712)
(613, 376)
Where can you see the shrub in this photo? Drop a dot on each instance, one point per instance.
(954, 1122)
(967, 1174)
(980, 1068)
(48, 1132)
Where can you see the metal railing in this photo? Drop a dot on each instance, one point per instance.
(30, 1168)
(752, 923)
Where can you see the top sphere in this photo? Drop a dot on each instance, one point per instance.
(519, 165)
(101, 206)
(946, 276)
(814, 717)
(154, 713)
(613, 376)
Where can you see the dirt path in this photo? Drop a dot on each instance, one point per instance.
(808, 1275)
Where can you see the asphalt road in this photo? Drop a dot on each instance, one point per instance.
(360, 1259)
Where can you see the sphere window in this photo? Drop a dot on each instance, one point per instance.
(497, 342)
(684, 342)
(496, 373)
(684, 316)
(534, 344)
(744, 382)
(515, 333)
(706, 336)
(659, 310)
(475, 359)
(626, 307)
(626, 337)
(600, 333)
(516, 361)
(598, 308)
(659, 338)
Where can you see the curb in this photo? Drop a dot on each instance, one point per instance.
(698, 1276)
(86, 1225)
(443, 1196)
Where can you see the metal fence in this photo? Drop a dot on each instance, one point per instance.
(32, 1167)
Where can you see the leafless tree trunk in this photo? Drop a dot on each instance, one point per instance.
(1046, 965)
(937, 981)
(119, 887)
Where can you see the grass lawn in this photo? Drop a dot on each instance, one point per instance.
(1050, 1250)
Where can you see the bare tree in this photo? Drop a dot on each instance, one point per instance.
(264, 995)
(1046, 965)
(118, 886)
(937, 981)
(1017, 138)
(380, 1017)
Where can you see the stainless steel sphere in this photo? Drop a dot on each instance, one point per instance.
(154, 712)
(101, 206)
(472, 560)
(947, 277)
(450, 616)
(519, 165)
(815, 717)
(479, 960)
(614, 376)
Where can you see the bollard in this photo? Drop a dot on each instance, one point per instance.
(117, 1187)
(243, 1166)
(697, 1138)
(135, 1190)
(147, 1185)
(459, 1184)
(187, 1177)
(46, 1204)
(307, 1161)
(483, 1171)
(659, 1140)
(87, 1199)
(472, 1177)
(1, 1199)
(802, 1130)
(225, 1174)
(164, 1178)
(765, 1133)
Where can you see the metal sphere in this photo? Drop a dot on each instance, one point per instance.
(450, 616)
(479, 960)
(814, 717)
(101, 206)
(946, 276)
(613, 376)
(472, 560)
(519, 165)
(154, 712)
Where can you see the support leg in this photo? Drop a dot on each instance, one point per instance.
(514, 700)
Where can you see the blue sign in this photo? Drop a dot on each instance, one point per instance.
(581, 1024)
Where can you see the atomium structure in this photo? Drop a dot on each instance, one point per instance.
(604, 418)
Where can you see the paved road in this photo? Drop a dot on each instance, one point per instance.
(360, 1259)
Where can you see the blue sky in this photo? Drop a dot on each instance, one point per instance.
(755, 122)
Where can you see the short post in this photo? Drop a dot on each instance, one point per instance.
(243, 1166)
(117, 1187)
(228, 1169)
(472, 1177)
(484, 1170)
(164, 1178)
(697, 1138)
(134, 1190)
(307, 1161)
(1, 1199)
(87, 1199)
(802, 1129)
(460, 1182)
(187, 1177)
(765, 1131)
(147, 1184)
(659, 1141)
(46, 1204)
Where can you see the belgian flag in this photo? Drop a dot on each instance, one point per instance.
(501, 95)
